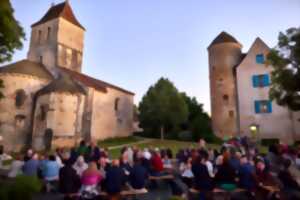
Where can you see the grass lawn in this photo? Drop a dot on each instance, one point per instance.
(174, 145)
(153, 143)
(118, 141)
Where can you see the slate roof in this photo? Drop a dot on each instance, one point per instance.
(223, 37)
(63, 10)
(63, 83)
(27, 67)
(92, 82)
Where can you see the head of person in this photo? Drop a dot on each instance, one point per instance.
(82, 143)
(35, 156)
(202, 143)
(80, 161)
(102, 162)
(219, 160)
(52, 158)
(115, 163)
(260, 165)
(92, 166)
(243, 160)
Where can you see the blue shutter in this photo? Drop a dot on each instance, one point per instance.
(269, 106)
(260, 59)
(257, 106)
(255, 81)
(266, 80)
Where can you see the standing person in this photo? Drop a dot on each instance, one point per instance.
(69, 181)
(82, 149)
(31, 167)
(115, 179)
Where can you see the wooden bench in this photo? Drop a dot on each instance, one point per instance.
(131, 192)
(217, 191)
(164, 177)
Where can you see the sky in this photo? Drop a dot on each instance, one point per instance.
(132, 43)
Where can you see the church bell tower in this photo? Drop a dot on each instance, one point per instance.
(57, 39)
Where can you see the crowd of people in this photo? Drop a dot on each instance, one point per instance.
(87, 170)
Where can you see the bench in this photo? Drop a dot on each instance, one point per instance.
(164, 177)
(131, 192)
(217, 191)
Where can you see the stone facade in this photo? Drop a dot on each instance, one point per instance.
(48, 101)
(238, 71)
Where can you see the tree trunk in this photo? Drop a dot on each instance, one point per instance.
(162, 133)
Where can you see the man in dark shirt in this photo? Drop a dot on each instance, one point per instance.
(138, 175)
(202, 180)
(115, 178)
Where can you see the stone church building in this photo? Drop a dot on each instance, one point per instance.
(239, 86)
(49, 101)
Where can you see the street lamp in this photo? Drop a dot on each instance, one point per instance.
(254, 130)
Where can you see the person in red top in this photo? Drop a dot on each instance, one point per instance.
(157, 164)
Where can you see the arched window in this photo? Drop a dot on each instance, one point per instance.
(20, 97)
(117, 101)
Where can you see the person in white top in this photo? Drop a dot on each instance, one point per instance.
(80, 165)
(16, 167)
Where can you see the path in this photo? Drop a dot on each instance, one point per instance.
(145, 140)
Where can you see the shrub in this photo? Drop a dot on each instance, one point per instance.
(22, 188)
(269, 141)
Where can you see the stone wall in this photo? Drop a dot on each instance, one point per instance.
(43, 44)
(222, 59)
(15, 121)
(63, 116)
(108, 119)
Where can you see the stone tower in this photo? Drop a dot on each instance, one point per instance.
(224, 55)
(57, 39)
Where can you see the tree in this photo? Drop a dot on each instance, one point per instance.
(285, 58)
(11, 34)
(199, 122)
(162, 109)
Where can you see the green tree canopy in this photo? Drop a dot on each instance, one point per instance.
(11, 33)
(199, 122)
(285, 58)
(162, 107)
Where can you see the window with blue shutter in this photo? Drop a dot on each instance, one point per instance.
(261, 80)
(263, 106)
(260, 59)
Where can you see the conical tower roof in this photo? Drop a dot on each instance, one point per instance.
(63, 10)
(223, 37)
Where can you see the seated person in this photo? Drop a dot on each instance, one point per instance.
(90, 179)
(138, 175)
(69, 181)
(31, 167)
(115, 178)
(50, 169)
(266, 184)
(157, 166)
(16, 167)
(290, 185)
(187, 175)
(225, 177)
(80, 165)
(202, 179)
(246, 174)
